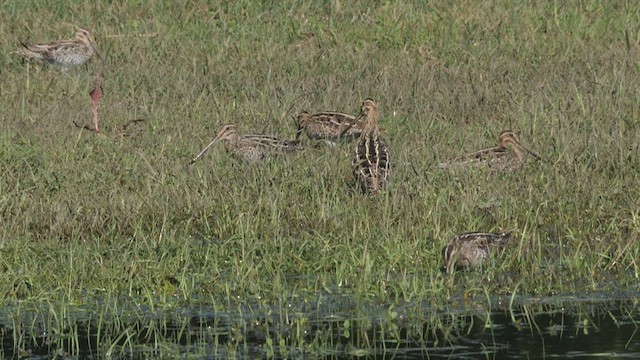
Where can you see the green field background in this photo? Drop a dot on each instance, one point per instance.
(123, 213)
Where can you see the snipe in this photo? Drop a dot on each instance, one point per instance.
(330, 126)
(371, 162)
(63, 53)
(508, 155)
(252, 148)
(470, 250)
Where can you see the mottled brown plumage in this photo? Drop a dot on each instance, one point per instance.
(508, 155)
(371, 163)
(63, 53)
(469, 250)
(329, 125)
(252, 148)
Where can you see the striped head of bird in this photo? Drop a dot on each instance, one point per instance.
(228, 134)
(369, 111)
(302, 121)
(450, 257)
(509, 137)
(84, 36)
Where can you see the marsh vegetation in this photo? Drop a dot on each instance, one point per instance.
(123, 217)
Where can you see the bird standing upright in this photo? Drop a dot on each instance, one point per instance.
(371, 163)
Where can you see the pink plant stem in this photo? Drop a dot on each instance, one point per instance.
(96, 94)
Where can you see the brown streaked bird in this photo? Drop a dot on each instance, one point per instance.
(470, 250)
(371, 163)
(63, 53)
(252, 148)
(509, 154)
(329, 125)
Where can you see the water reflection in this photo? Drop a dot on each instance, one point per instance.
(329, 326)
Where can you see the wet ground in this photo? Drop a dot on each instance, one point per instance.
(595, 326)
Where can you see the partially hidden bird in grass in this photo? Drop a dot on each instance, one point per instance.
(508, 155)
(330, 126)
(371, 163)
(251, 148)
(471, 250)
(63, 53)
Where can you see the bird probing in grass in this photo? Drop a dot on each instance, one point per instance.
(63, 53)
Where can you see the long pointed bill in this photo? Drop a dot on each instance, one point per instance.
(534, 155)
(97, 53)
(204, 150)
(299, 126)
(344, 131)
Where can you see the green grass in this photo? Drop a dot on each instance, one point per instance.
(86, 215)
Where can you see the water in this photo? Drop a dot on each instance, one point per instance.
(334, 326)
